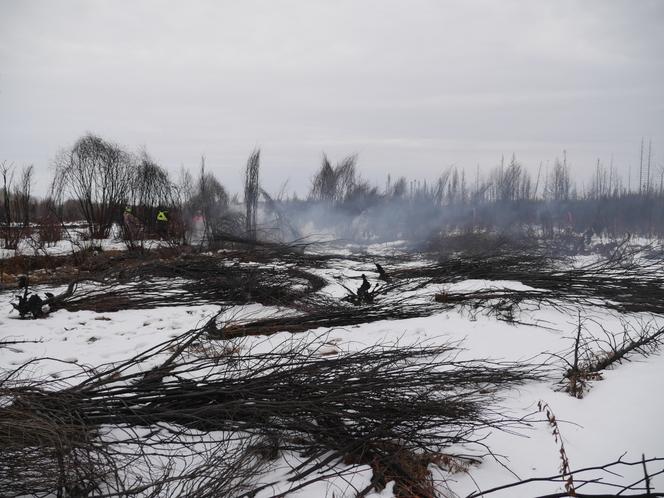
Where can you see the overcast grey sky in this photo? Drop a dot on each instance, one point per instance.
(410, 86)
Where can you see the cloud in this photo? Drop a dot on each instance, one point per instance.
(411, 86)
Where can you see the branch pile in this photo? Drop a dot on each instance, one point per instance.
(206, 418)
(317, 310)
(189, 281)
(623, 281)
(607, 480)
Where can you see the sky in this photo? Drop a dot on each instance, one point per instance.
(411, 87)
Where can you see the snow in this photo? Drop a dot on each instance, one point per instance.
(619, 414)
(74, 241)
(472, 285)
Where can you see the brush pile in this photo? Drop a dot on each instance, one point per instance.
(624, 281)
(188, 281)
(202, 419)
(321, 311)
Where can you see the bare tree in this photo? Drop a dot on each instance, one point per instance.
(648, 171)
(184, 190)
(183, 193)
(97, 174)
(211, 200)
(558, 185)
(641, 170)
(511, 183)
(324, 184)
(334, 183)
(398, 189)
(345, 176)
(251, 192)
(15, 206)
(151, 185)
(442, 182)
(21, 197)
(7, 173)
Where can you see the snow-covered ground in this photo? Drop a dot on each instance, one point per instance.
(620, 414)
(74, 240)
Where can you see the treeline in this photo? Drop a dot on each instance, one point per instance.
(508, 198)
(102, 185)
(505, 182)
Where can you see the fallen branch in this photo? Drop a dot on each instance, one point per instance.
(609, 469)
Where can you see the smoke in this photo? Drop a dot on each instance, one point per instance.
(344, 206)
(388, 218)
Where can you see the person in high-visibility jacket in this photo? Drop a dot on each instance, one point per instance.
(162, 223)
